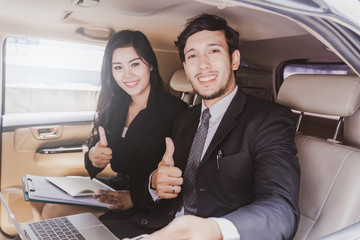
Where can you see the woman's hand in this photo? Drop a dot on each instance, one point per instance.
(100, 155)
(120, 198)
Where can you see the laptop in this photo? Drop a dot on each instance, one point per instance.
(80, 226)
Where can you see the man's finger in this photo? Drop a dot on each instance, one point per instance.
(168, 156)
(102, 135)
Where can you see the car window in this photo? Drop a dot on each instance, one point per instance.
(50, 76)
(291, 69)
(349, 11)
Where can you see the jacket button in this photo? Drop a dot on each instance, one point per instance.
(171, 213)
(202, 190)
(144, 221)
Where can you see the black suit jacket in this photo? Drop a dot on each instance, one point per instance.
(255, 184)
(138, 154)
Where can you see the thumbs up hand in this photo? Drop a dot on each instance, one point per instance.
(167, 180)
(103, 141)
(100, 155)
(167, 159)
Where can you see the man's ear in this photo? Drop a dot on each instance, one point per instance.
(235, 59)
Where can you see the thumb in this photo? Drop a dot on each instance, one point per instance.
(168, 159)
(103, 141)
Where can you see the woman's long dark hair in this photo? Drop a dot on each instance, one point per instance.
(110, 90)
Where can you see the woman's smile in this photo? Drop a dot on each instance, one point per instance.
(132, 84)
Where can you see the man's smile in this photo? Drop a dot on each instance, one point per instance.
(207, 78)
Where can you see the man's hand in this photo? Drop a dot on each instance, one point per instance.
(167, 179)
(100, 155)
(188, 227)
(121, 199)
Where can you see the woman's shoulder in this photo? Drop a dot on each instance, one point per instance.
(170, 100)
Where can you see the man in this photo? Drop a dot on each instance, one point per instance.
(246, 183)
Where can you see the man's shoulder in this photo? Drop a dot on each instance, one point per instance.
(265, 106)
(260, 110)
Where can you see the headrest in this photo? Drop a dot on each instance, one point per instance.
(180, 83)
(352, 130)
(351, 72)
(336, 95)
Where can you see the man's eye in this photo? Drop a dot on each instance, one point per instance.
(214, 50)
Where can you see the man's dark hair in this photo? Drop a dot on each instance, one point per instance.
(210, 23)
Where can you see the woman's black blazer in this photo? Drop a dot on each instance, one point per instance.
(138, 154)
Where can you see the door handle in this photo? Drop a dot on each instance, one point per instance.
(47, 132)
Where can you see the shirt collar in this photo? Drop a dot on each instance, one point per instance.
(220, 107)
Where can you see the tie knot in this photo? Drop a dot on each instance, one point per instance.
(205, 116)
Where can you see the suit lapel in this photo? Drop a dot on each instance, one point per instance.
(185, 138)
(228, 122)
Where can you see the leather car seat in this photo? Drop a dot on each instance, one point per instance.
(180, 83)
(330, 181)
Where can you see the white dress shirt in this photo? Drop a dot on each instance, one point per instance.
(217, 111)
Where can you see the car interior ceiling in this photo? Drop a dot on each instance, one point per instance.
(268, 43)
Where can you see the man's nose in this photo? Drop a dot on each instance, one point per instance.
(204, 62)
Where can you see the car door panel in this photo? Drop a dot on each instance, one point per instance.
(25, 150)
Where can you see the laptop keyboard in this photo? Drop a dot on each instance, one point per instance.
(57, 228)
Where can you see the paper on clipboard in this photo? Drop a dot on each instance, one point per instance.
(79, 186)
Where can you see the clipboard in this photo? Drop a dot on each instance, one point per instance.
(38, 189)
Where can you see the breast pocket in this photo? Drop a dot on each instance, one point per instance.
(238, 159)
(236, 173)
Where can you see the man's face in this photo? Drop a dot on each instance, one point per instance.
(208, 65)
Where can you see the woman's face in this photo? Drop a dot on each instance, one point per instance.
(130, 72)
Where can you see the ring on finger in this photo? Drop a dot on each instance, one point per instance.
(173, 189)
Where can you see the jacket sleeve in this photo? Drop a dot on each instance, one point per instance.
(274, 213)
(93, 171)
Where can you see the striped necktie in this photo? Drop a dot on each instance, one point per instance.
(189, 191)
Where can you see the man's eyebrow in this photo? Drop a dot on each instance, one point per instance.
(138, 58)
(215, 44)
(190, 50)
(209, 45)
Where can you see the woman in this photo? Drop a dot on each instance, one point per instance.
(135, 114)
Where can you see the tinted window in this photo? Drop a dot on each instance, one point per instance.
(50, 76)
(315, 69)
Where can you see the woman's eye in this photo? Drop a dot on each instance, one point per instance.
(117, 67)
(135, 64)
(191, 56)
